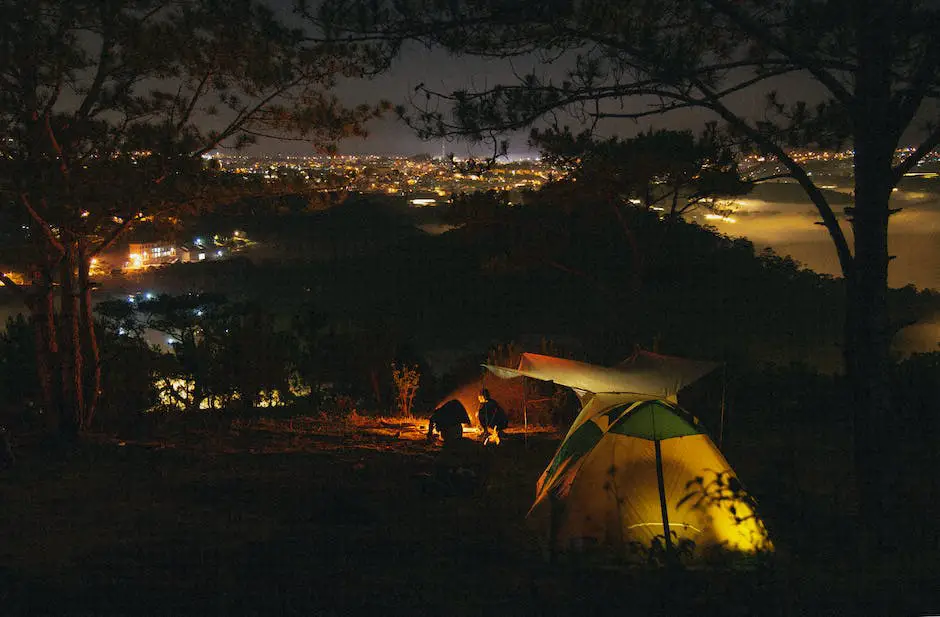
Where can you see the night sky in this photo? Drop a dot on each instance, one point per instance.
(442, 71)
(439, 70)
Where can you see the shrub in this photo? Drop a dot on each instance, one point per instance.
(406, 380)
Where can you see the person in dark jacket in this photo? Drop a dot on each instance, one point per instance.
(492, 416)
(448, 420)
(457, 466)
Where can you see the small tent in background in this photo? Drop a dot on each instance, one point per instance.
(634, 464)
(508, 393)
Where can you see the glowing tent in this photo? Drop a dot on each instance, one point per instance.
(635, 464)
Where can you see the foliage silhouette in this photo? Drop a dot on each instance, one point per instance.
(106, 114)
(873, 66)
(670, 171)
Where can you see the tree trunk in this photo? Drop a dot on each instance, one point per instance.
(867, 350)
(674, 210)
(867, 325)
(42, 310)
(72, 403)
(637, 265)
(376, 389)
(89, 341)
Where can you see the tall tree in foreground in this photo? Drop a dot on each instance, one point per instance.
(873, 67)
(106, 110)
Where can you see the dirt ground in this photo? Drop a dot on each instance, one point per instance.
(296, 517)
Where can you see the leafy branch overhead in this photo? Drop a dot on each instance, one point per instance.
(688, 53)
(109, 105)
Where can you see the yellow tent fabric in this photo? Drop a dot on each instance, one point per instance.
(610, 501)
(601, 490)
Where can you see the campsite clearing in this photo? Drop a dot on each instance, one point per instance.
(294, 517)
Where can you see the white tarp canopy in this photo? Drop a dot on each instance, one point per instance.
(644, 374)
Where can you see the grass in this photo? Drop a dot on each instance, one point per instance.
(307, 516)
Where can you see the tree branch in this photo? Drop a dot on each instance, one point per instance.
(57, 91)
(101, 73)
(46, 230)
(243, 117)
(925, 148)
(843, 252)
(192, 104)
(63, 164)
(730, 9)
(663, 108)
(115, 234)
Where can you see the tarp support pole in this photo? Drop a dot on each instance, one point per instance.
(483, 435)
(667, 532)
(525, 412)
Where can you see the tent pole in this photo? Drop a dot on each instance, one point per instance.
(554, 522)
(482, 388)
(667, 532)
(721, 425)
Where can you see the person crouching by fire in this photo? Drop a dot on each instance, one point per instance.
(448, 420)
(457, 467)
(493, 418)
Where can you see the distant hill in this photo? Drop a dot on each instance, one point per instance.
(542, 271)
(359, 224)
(791, 192)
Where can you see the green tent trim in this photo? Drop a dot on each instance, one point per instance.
(654, 421)
(576, 446)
